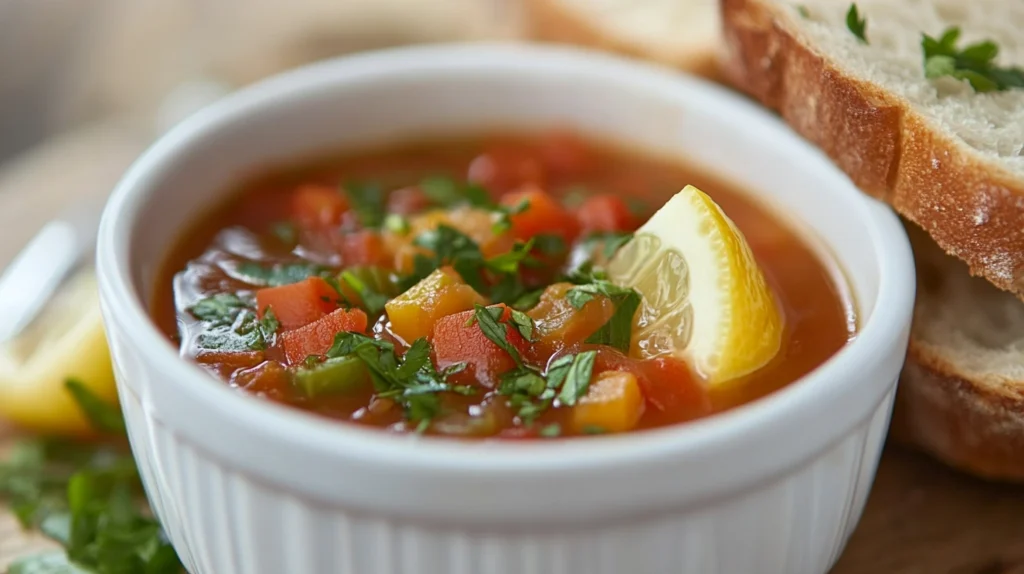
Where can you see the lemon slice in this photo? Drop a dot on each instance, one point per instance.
(65, 341)
(705, 299)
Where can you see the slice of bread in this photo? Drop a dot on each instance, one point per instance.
(947, 158)
(679, 33)
(961, 394)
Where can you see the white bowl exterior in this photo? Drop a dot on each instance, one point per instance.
(242, 486)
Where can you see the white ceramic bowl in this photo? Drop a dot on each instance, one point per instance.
(246, 486)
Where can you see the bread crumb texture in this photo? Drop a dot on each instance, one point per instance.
(945, 157)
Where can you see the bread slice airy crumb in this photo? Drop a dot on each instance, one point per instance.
(947, 158)
(681, 33)
(961, 395)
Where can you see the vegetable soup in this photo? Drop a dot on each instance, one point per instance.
(459, 288)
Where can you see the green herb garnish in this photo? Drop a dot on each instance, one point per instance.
(617, 331)
(551, 431)
(395, 223)
(411, 380)
(975, 63)
(220, 309)
(577, 378)
(372, 299)
(101, 414)
(286, 233)
(275, 275)
(503, 223)
(856, 24)
(549, 244)
(446, 192)
(491, 326)
(88, 498)
(368, 202)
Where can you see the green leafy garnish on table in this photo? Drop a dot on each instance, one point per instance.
(88, 498)
(975, 63)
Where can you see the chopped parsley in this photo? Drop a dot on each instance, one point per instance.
(367, 201)
(551, 431)
(88, 498)
(373, 300)
(233, 324)
(395, 223)
(286, 233)
(857, 24)
(609, 241)
(975, 63)
(103, 416)
(411, 380)
(503, 223)
(262, 275)
(617, 331)
(531, 393)
(446, 192)
(491, 326)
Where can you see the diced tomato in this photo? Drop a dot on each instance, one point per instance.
(318, 206)
(456, 342)
(604, 213)
(407, 201)
(669, 386)
(543, 215)
(363, 247)
(504, 168)
(299, 303)
(317, 337)
(566, 154)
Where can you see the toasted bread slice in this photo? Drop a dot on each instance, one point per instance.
(961, 394)
(679, 33)
(945, 157)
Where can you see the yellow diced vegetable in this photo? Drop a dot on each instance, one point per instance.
(559, 324)
(443, 292)
(613, 403)
(474, 222)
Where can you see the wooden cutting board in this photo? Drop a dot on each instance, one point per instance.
(921, 518)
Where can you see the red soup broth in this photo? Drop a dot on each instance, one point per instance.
(302, 289)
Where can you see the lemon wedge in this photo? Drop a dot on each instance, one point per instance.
(705, 300)
(65, 341)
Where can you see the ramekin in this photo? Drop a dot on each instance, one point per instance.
(246, 486)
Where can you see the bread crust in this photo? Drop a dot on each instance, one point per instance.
(972, 207)
(549, 21)
(975, 428)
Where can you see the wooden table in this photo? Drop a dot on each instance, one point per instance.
(921, 518)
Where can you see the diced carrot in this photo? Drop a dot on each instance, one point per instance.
(443, 292)
(299, 303)
(560, 325)
(542, 215)
(668, 385)
(318, 205)
(613, 403)
(363, 247)
(407, 201)
(503, 168)
(317, 337)
(566, 154)
(604, 213)
(454, 341)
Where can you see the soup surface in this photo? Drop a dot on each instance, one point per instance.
(435, 287)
